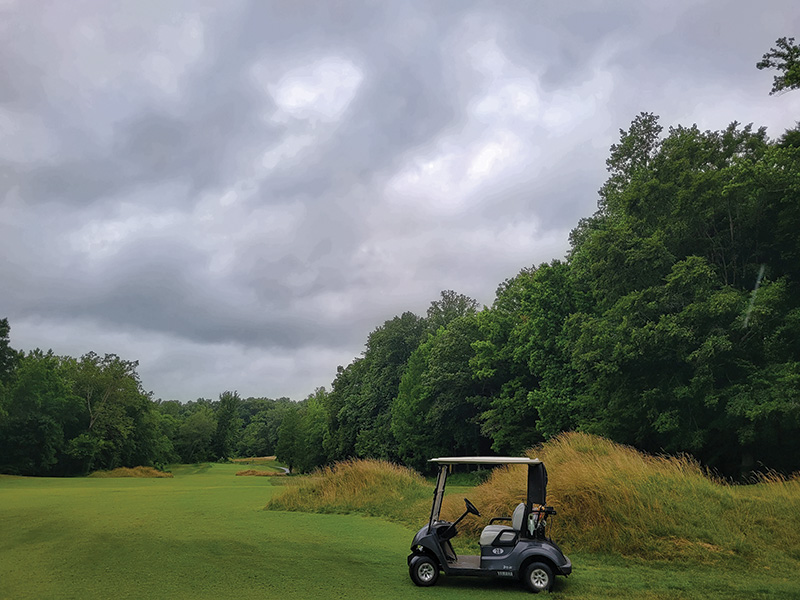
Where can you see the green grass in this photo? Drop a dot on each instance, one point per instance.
(201, 534)
(204, 534)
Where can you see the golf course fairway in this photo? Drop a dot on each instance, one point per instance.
(204, 534)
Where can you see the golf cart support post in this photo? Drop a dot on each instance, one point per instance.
(520, 551)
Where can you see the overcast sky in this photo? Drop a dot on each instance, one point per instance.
(236, 193)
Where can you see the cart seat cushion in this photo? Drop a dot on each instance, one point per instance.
(490, 532)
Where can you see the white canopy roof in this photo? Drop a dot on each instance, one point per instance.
(486, 460)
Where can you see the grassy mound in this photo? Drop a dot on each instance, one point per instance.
(370, 487)
(131, 472)
(612, 498)
(256, 473)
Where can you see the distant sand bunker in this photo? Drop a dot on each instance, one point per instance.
(254, 473)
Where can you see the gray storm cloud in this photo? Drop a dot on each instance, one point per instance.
(236, 193)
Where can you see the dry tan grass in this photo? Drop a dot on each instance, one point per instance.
(256, 460)
(610, 499)
(371, 487)
(141, 472)
(614, 498)
(255, 473)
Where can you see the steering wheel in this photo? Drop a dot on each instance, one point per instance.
(471, 508)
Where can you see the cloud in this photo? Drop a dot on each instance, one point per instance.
(236, 193)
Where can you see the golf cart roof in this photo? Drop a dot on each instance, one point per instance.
(537, 477)
(486, 460)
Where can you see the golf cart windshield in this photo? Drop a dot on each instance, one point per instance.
(537, 478)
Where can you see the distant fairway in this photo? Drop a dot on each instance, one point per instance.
(201, 534)
(204, 534)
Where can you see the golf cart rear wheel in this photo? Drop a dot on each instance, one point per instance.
(539, 577)
(423, 570)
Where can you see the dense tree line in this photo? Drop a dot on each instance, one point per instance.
(65, 416)
(62, 416)
(672, 325)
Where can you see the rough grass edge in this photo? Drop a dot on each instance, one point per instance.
(256, 473)
(138, 472)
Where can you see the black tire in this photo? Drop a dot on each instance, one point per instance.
(424, 571)
(539, 577)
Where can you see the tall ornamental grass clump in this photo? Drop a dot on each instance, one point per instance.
(612, 498)
(370, 487)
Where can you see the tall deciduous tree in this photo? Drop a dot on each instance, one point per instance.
(449, 306)
(290, 442)
(312, 431)
(360, 403)
(664, 357)
(114, 404)
(521, 359)
(8, 356)
(196, 434)
(42, 414)
(785, 57)
(260, 435)
(438, 400)
(227, 416)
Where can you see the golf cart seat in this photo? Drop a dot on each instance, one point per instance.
(503, 535)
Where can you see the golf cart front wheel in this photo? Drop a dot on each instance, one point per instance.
(539, 577)
(423, 570)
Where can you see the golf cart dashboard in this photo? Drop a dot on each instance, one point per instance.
(445, 530)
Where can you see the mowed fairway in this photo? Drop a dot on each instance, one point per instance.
(201, 534)
(204, 534)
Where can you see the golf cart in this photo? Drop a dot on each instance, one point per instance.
(520, 550)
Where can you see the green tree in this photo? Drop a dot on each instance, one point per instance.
(450, 305)
(312, 431)
(196, 434)
(290, 439)
(359, 406)
(114, 411)
(228, 423)
(8, 359)
(410, 410)
(663, 274)
(520, 358)
(41, 414)
(342, 407)
(435, 411)
(8, 356)
(260, 436)
(785, 57)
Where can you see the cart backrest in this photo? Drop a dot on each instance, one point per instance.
(518, 517)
